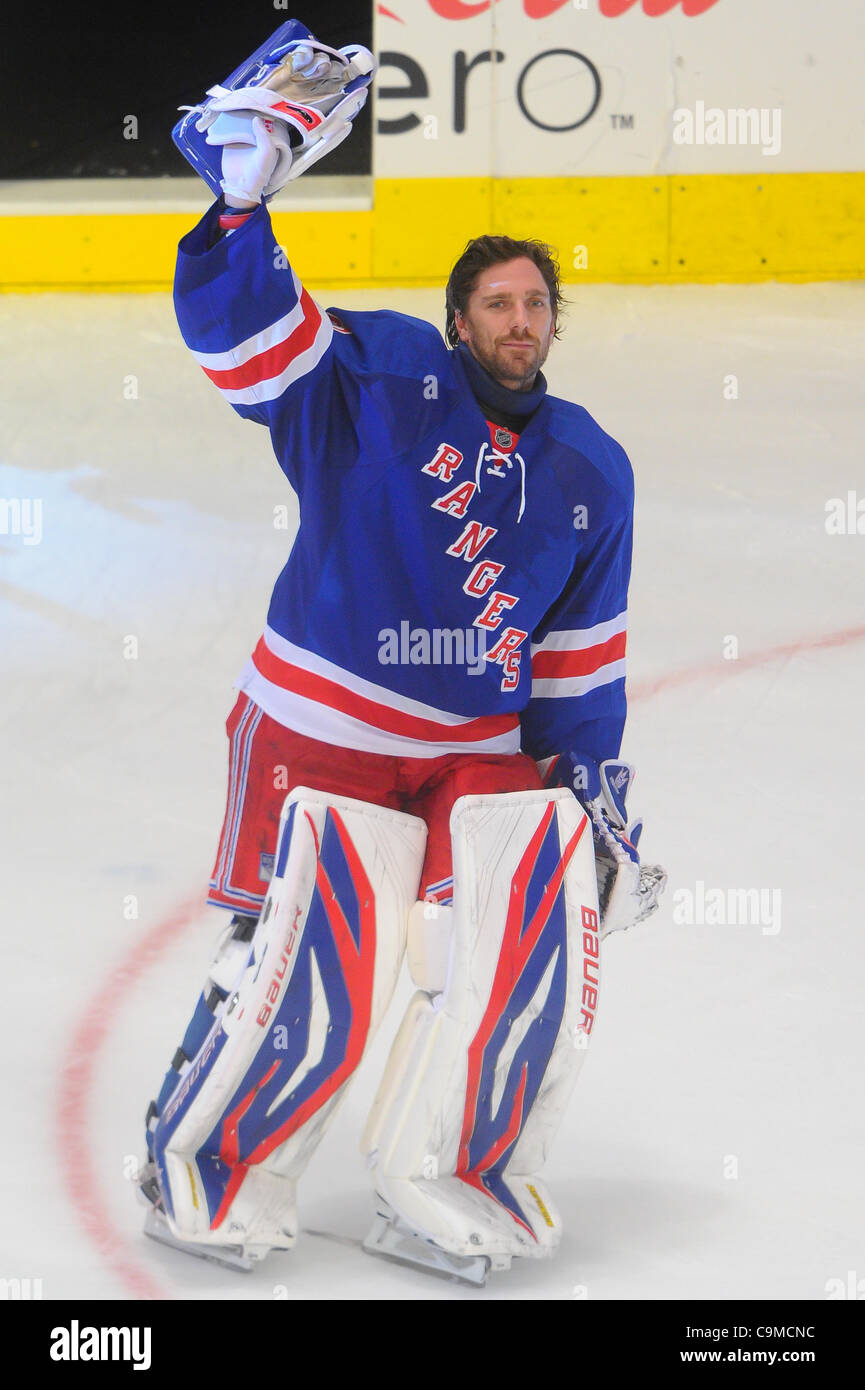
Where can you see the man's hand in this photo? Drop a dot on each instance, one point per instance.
(249, 164)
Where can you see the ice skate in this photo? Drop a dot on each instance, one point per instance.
(156, 1226)
(390, 1238)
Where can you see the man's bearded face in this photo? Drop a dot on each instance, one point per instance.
(509, 322)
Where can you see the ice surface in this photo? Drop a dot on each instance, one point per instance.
(714, 1145)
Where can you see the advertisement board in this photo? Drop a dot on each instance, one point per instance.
(568, 88)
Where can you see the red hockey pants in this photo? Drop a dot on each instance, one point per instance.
(267, 760)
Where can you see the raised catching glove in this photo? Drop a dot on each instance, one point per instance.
(309, 92)
(628, 891)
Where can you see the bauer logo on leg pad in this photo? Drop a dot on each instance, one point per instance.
(591, 967)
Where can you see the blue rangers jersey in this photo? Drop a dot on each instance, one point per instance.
(454, 586)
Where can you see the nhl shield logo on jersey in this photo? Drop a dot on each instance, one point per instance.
(503, 438)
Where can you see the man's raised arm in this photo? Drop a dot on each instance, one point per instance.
(252, 327)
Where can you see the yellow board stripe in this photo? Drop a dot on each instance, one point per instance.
(695, 227)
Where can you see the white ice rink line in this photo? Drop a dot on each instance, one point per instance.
(714, 1145)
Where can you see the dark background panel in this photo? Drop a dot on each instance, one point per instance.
(73, 72)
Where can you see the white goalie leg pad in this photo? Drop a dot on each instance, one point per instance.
(480, 1074)
(252, 1105)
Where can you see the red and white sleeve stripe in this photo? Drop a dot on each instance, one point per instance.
(573, 662)
(261, 367)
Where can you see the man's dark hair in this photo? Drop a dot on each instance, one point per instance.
(484, 251)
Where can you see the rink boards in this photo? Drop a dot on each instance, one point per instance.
(666, 229)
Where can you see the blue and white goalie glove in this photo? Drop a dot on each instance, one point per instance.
(628, 891)
(295, 95)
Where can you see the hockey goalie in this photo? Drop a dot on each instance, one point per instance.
(442, 673)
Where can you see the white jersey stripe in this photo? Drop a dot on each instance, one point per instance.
(320, 666)
(578, 639)
(301, 365)
(259, 342)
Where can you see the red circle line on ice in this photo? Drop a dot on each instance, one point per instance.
(84, 1182)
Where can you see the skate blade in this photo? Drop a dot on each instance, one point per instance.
(389, 1240)
(229, 1256)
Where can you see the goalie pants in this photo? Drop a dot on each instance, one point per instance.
(266, 760)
